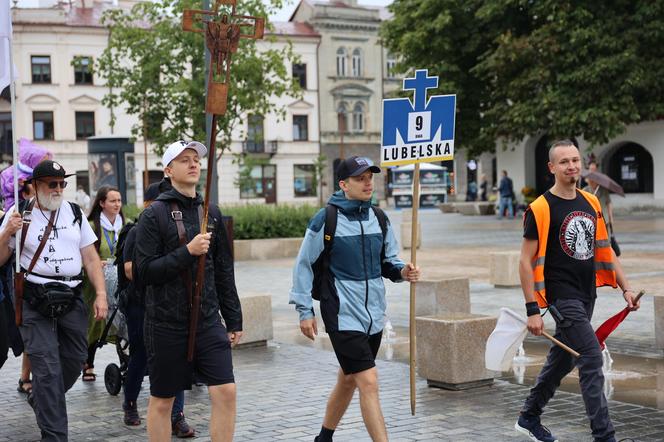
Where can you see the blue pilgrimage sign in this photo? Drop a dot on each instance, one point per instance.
(418, 132)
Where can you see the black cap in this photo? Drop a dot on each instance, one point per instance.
(49, 169)
(151, 192)
(355, 166)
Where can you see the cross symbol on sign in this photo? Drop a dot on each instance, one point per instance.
(420, 83)
(222, 36)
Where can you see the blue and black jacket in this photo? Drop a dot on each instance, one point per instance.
(357, 297)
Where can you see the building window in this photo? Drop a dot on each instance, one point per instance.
(252, 186)
(255, 138)
(6, 151)
(304, 180)
(85, 125)
(357, 63)
(358, 118)
(341, 62)
(300, 128)
(391, 66)
(42, 125)
(83, 70)
(41, 68)
(300, 74)
(342, 117)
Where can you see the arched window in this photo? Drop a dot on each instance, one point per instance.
(357, 63)
(342, 117)
(341, 62)
(358, 118)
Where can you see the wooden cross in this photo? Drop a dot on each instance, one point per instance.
(222, 36)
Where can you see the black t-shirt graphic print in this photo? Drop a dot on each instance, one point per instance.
(569, 270)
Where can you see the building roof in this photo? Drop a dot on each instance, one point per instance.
(293, 29)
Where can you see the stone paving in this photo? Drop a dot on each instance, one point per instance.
(282, 391)
(283, 388)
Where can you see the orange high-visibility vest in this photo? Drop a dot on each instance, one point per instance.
(604, 271)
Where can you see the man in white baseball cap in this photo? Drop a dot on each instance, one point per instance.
(168, 247)
(176, 148)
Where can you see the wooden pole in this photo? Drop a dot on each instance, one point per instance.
(413, 259)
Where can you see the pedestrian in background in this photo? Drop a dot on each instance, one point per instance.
(506, 194)
(106, 220)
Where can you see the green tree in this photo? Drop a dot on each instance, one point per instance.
(155, 70)
(566, 68)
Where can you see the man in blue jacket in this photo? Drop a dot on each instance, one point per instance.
(353, 302)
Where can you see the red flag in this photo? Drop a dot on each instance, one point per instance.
(604, 330)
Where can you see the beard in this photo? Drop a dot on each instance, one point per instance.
(49, 201)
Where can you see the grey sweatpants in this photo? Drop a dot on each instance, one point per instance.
(577, 333)
(57, 350)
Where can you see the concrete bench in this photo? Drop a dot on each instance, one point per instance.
(450, 350)
(447, 207)
(504, 269)
(256, 319)
(473, 208)
(439, 296)
(261, 249)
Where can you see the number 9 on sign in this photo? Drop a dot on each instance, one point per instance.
(419, 126)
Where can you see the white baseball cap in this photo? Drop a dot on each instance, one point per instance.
(176, 148)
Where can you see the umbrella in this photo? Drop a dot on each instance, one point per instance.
(604, 330)
(511, 329)
(604, 181)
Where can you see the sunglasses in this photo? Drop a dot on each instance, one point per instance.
(54, 184)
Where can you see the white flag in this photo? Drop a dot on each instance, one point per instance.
(5, 42)
(502, 345)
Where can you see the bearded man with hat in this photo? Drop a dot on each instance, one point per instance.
(55, 246)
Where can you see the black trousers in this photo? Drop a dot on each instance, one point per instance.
(577, 332)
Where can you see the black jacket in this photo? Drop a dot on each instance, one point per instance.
(161, 262)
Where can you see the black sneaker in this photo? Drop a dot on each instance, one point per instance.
(531, 427)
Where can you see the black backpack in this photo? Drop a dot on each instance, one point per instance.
(321, 267)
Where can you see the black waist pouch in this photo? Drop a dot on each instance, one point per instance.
(52, 300)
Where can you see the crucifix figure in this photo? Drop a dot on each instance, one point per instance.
(222, 36)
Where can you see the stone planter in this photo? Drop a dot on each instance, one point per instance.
(504, 269)
(450, 350)
(441, 296)
(256, 320)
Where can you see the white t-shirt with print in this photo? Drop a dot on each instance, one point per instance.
(61, 255)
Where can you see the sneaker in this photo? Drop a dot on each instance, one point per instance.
(181, 429)
(532, 428)
(131, 417)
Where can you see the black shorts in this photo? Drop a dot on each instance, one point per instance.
(356, 351)
(169, 370)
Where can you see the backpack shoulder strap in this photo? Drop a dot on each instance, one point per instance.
(382, 221)
(330, 227)
(78, 213)
(161, 213)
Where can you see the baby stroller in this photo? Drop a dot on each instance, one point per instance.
(116, 326)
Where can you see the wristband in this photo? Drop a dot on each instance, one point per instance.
(532, 309)
(627, 290)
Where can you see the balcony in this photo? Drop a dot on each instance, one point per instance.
(260, 146)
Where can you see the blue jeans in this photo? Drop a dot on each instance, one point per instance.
(138, 361)
(506, 203)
